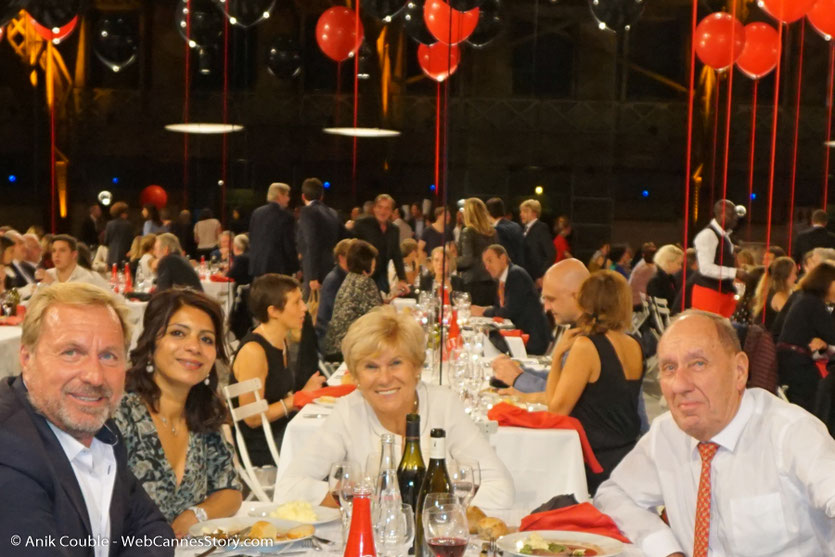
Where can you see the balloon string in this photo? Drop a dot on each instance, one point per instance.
(356, 101)
(796, 130)
(751, 156)
(437, 138)
(687, 163)
(828, 123)
(728, 117)
(224, 161)
(774, 123)
(716, 95)
(186, 102)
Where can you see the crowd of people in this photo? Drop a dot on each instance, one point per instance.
(103, 438)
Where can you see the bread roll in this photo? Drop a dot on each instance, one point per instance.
(490, 528)
(263, 530)
(299, 532)
(474, 514)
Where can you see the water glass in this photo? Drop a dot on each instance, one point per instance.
(394, 530)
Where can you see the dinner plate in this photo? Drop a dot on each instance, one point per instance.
(324, 515)
(327, 402)
(608, 547)
(238, 523)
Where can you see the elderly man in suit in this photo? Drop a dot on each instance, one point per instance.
(272, 235)
(380, 232)
(816, 237)
(540, 253)
(319, 231)
(63, 466)
(173, 268)
(518, 299)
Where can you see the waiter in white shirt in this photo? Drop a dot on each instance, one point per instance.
(739, 471)
(714, 288)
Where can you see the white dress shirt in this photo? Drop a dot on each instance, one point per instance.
(706, 244)
(80, 274)
(352, 431)
(95, 470)
(528, 225)
(772, 479)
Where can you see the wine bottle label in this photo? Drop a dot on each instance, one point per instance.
(437, 448)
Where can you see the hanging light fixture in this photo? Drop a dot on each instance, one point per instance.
(350, 131)
(204, 128)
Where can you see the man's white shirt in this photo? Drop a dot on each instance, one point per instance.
(707, 244)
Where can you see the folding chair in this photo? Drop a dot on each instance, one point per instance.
(260, 405)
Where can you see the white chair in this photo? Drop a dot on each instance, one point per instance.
(259, 406)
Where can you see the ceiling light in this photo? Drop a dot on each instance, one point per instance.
(204, 128)
(362, 132)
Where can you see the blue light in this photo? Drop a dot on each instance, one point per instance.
(645, 193)
(115, 180)
(753, 196)
(12, 178)
(327, 185)
(432, 187)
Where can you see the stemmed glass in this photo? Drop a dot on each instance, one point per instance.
(445, 529)
(465, 476)
(394, 531)
(344, 477)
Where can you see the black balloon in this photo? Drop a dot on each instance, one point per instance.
(617, 15)
(382, 9)
(115, 42)
(465, 5)
(9, 9)
(205, 26)
(284, 57)
(413, 22)
(246, 13)
(490, 24)
(54, 13)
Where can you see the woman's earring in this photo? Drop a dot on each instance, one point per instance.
(149, 367)
(206, 380)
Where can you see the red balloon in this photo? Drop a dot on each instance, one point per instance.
(155, 195)
(439, 61)
(713, 40)
(54, 34)
(786, 11)
(822, 18)
(448, 25)
(336, 33)
(761, 51)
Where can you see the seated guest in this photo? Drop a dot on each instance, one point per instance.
(153, 222)
(239, 271)
(85, 259)
(600, 381)
(220, 256)
(384, 352)
(808, 327)
(171, 415)
(772, 253)
(118, 234)
(32, 249)
(6, 249)
(60, 452)
(276, 302)
(443, 264)
(668, 261)
(147, 262)
(67, 269)
(686, 282)
(409, 252)
(621, 256)
(478, 233)
(773, 289)
(19, 271)
(357, 296)
(330, 286)
(642, 272)
(758, 470)
(810, 261)
(745, 307)
(46, 251)
(600, 258)
(518, 299)
(172, 268)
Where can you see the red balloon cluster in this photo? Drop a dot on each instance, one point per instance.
(719, 39)
(449, 25)
(822, 18)
(155, 195)
(761, 52)
(54, 34)
(336, 33)
(439, 61)
(787, 11)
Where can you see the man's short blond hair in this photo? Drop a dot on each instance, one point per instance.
(384, 197)
(277, 188)
(532, 204)
(70, 294)
(380, 329)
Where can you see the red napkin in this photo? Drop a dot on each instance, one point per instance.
(576, 518)
(305, 397)
(13, 320)
(510, 415)
(516, 333)
(498, 320)
(821, 365)
(220, 278)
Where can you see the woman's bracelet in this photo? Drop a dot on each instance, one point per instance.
(283, 405)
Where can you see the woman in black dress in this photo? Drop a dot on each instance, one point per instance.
(476, 236)
(276, 301)
(808, 328)
(774, 289)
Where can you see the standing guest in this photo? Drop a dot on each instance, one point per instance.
(600, 258)
(477, 234)
(774, 289)
(406, 232)
(23, 272)
(319, 231)
(510, 233)
(518, 299)
(436, 234)
(272, 235)
(416, 221)
(411, 263)
(206, 233)
(808, 327)
(63, 466)
(171, 415)
(183, 228)
(562, 244)
(746, 306)
(238, 223)
(357, 296)
(239, 271)
(118, 234)
(714, 288)
(276, 302)
(368, 209)
(442, 265)
(642, 273)
(739, 471)
(668, 261)
(378, 231)
(32, 252)
(67, 269)
(153, 220)
(92, 228)
(459, 226)
(173, 269)
(330, 286)
(539, 247)
(621, 255)
(816, 237)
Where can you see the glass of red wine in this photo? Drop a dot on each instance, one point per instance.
(446, 530)
(343, 478)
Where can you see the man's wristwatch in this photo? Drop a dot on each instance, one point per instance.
(200, 513)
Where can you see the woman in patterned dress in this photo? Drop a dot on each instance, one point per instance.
(171, 414)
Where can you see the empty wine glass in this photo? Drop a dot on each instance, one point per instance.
(465, 476)
(343, 478)
(460, 298)
(394, 531)
(446, 530)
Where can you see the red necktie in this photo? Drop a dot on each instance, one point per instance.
(501, 293)
(702, 533)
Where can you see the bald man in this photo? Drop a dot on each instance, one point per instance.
(560, 286)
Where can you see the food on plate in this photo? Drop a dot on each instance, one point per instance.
(490, 528)
(299, 532)
(537, 545)
(299, 511)
(326, 399)
(348, 379)
(474, 514)
(263, 530)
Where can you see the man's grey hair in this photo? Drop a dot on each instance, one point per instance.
(725, 332)
(277, 188)
(824, 254)
(170, 242)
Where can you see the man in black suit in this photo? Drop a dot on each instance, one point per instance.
(518, 299)
(540, 253)
(416, 220)
(510, 233)
(380, 232)
(63, 464)
(816, 237)
(93, 227)
(173, 268)
(23, 273)
(319, 231)
(272, 235)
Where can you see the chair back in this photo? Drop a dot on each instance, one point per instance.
(762, 358)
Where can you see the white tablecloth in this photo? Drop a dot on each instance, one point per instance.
(223, 292)
(9, 350)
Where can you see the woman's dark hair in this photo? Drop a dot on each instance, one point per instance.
(153, 213)
(616, 252)
(205, 214)
(817, 281)
(85, 260)
(270, 290)
(361, 256)
(205, 411)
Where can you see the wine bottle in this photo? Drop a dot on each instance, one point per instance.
(412, 469)
(436, 480)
